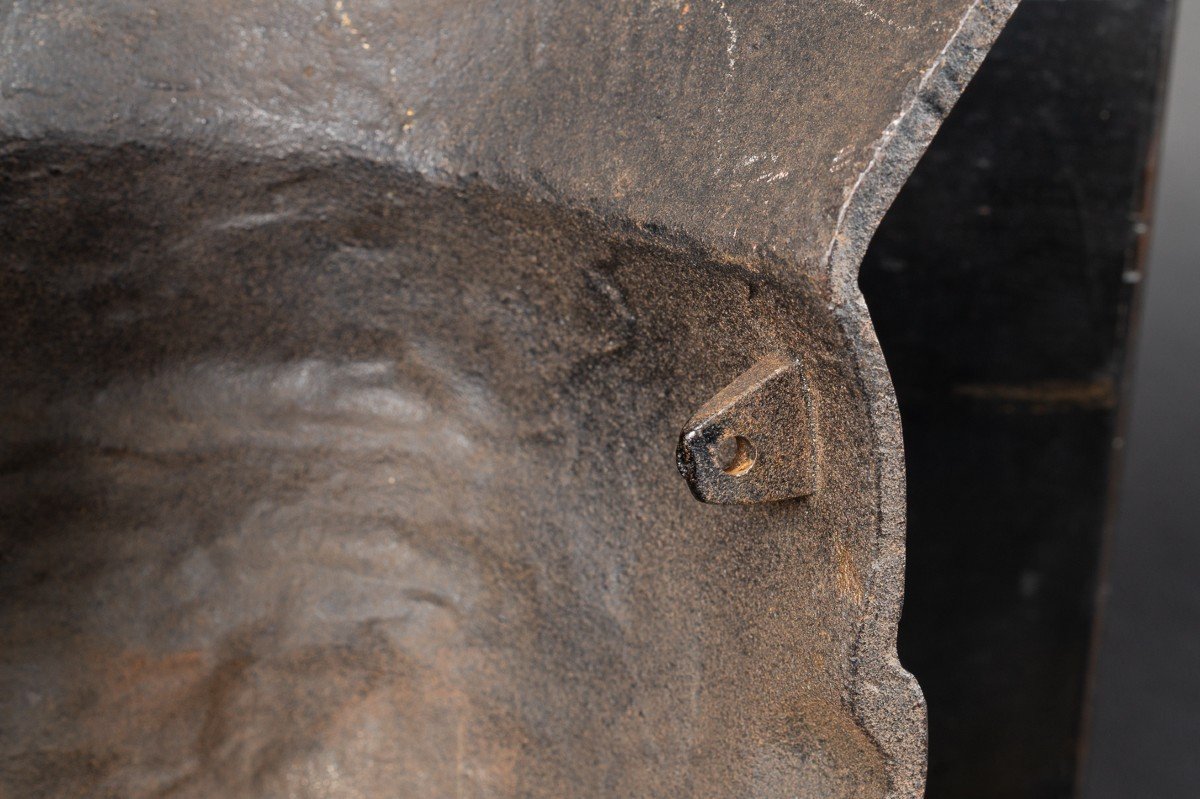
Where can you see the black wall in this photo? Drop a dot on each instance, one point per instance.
(1001, 284)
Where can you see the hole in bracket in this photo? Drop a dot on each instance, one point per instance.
(736, 455)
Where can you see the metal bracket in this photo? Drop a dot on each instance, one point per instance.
(755, 441)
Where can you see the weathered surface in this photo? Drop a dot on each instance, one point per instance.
(348, 349)
(756, 440)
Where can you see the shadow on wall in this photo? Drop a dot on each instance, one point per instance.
(1146, 721)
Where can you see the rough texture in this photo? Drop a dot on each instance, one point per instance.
(755, 441)
(348, 349)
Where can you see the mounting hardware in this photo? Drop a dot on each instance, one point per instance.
(755, 441)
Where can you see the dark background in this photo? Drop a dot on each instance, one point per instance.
(1005, 284)
(1145, 726)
